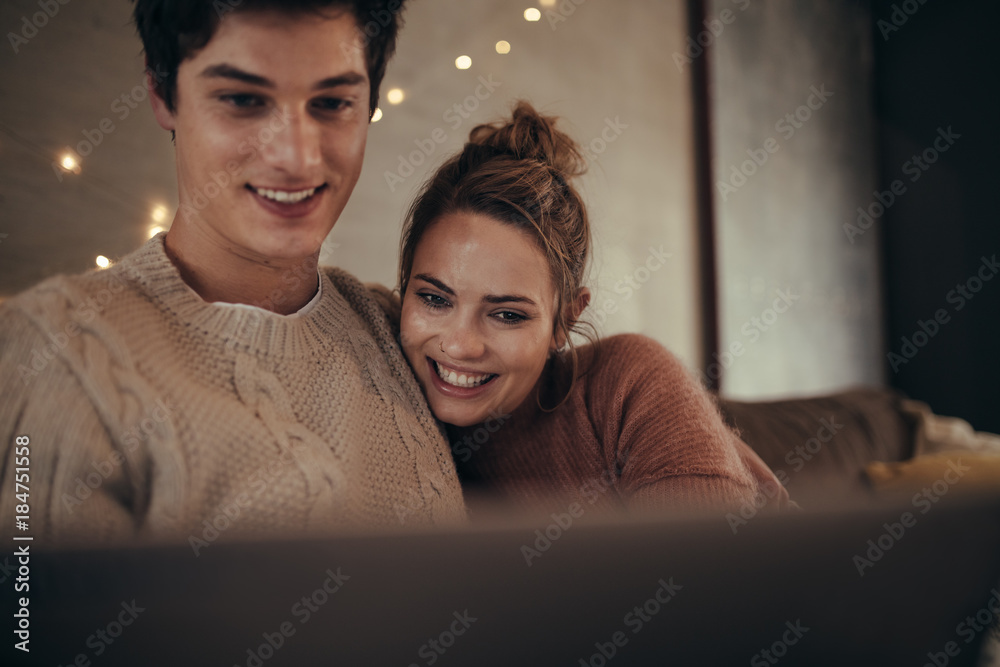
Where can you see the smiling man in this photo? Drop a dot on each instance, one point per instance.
(216, 380)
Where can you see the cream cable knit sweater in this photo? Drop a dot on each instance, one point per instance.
(153, 413)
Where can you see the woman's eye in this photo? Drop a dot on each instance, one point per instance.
(510, 317)
(433, 300)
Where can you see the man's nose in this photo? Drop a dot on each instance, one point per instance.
(294, 147)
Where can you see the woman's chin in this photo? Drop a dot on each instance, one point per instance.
(458, 419)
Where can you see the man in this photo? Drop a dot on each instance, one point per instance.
(214, 381)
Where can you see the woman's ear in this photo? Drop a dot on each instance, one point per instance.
(573, 311)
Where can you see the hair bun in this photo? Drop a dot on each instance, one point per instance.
(528, 135)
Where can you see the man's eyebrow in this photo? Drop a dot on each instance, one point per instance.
(349, 79)
(225, 71)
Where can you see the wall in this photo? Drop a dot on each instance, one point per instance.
(791, 102)
(608, 68)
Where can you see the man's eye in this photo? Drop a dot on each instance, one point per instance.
(243, 101)
(330, 104)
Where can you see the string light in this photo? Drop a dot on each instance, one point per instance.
(532, 14)
(102, 261)
(69, 163)
(503, 47)
(377, 116)
(395, 96)
(463, 62)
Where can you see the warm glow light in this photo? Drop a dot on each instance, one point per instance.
(377, 116)
(548, 3)
(395, 96)
(159, 213)
(463, 62)
(102, 261)
(532, 14)
(503, 47)
(68, 162)
(154, 230)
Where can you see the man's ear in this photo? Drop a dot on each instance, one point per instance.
(164, 116)
(573, 312)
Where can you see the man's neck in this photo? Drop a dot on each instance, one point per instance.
(218, 274)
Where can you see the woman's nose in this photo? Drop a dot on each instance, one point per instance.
(464, 341)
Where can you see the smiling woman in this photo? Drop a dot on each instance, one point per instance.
(492, 266)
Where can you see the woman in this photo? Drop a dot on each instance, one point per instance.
(491, 276)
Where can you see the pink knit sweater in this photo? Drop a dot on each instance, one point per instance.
(636, 431)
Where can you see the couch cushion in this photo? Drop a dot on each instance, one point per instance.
(821, 445)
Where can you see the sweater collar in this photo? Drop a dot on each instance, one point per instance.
(298, 335)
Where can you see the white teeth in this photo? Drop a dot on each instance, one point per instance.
(284, 196)
(461, 380)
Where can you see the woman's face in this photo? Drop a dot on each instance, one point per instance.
(478, 314)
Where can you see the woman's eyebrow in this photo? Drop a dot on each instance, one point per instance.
(434, 281)
(489, 298)
(508, 298)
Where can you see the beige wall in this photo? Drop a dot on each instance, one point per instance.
(780, 223)
(602, 66)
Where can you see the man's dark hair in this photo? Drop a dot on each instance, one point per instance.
(172, 30)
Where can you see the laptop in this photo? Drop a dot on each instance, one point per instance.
(884, 584)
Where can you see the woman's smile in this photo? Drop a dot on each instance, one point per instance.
(478, 317)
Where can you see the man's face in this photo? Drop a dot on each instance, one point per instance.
(271, 119)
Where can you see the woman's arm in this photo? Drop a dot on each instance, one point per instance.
(661, 428)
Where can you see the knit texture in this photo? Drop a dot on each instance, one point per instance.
(153, 413)
(637, 431)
